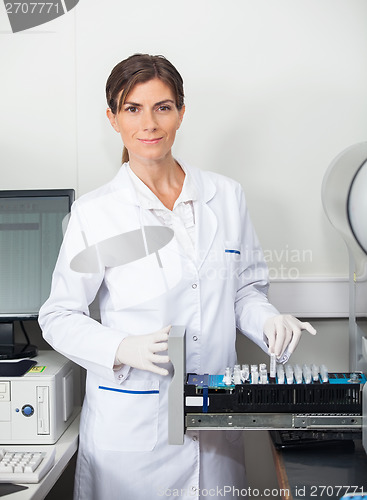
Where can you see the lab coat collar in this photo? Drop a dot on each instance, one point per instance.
(122, 187)
(204, 187)
(205, 219)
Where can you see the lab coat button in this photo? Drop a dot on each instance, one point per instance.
(194, 438)
(120, 376)
(194, 338)
(194, 285)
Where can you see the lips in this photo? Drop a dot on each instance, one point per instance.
(151, 141)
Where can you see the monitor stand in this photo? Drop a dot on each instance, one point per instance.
(11, 350)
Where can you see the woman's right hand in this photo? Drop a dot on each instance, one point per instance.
(139, 351)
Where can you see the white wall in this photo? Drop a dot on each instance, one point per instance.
(275, 89)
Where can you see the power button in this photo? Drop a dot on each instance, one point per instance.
(27, 410)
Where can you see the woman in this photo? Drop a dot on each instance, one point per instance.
(163, 243)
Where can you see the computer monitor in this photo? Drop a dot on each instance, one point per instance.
(31, 232)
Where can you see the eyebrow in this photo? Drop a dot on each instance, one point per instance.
(159, 103)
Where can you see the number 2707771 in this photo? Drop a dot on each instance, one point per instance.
(32, 7)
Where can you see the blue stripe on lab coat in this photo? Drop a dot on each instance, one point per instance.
(126, 391)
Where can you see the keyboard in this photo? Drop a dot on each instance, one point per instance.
(25, 464)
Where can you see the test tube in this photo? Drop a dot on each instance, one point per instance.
(254, 374)
(298, 374)
(263, 374)
(245, 373)
(227, 378)
(306, 370)
(315, 373)
(324, 374)
(273, 366)
(237, 375)
(289, 374)
(280, 374)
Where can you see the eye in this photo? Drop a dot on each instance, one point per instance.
(131, 109)
(164, 107)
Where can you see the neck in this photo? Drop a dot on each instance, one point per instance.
(163, 177)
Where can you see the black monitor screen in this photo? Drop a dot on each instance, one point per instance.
(31, 232)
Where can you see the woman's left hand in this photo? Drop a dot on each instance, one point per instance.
(283, 332)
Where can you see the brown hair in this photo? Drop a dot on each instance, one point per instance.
(140, 68)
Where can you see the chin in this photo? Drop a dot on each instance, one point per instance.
(156, 157)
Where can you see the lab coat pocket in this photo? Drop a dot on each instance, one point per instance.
(127, 416)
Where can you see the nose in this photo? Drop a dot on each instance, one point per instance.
(149, 121)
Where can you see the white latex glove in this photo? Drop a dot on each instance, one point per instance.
(138, 351)
(283, 332)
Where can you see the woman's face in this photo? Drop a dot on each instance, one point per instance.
(148, 121)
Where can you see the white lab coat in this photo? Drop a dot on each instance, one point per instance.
(123, 452)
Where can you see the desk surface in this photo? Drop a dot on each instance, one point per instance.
(66, 446)
(322, 472)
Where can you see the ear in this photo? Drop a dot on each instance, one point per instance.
(112, 119)
(181, 115)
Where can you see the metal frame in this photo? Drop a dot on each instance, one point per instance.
(178, 422)
(270, 421)
(176, 407)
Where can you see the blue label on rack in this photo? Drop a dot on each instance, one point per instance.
(216, 381)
